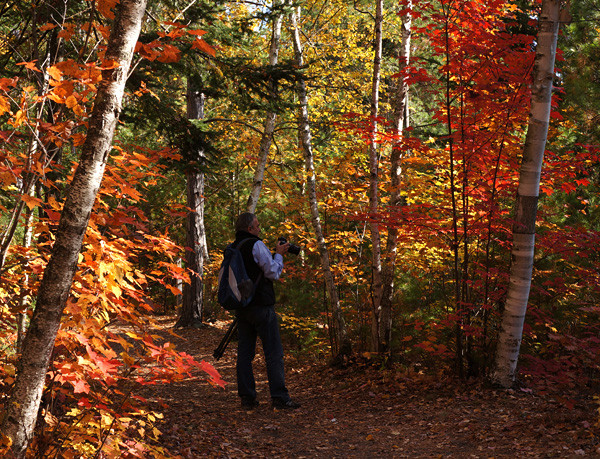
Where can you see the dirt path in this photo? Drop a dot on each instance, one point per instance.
(355, 413)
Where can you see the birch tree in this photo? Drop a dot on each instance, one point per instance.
(523, 229)
(270, 119)
(376, 288)
(400, 121)
(306, 145)
(23, 406)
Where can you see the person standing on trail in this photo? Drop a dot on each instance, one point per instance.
(259, 317)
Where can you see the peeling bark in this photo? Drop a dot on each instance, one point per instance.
(521, 271)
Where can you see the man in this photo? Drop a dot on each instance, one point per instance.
(259, 318)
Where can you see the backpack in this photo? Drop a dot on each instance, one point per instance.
(236, 289)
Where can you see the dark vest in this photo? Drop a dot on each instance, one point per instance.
(265, 293)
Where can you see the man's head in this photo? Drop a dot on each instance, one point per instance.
(247, 222)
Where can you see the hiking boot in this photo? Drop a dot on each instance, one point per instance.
(279, 404)
(249, 403)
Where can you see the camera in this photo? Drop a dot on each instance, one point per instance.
(292, 249)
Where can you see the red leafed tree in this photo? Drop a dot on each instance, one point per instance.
(457, 185)
(58, 275)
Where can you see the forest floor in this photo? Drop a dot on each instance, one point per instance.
(363, 412)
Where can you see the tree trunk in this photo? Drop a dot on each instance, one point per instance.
(399, 123)
(23, 405)
(452, 163)
(11, 228)
(196, 250)
(377, 285)
(306, 143)
(513, 317)
(25, 302)
(269, 126)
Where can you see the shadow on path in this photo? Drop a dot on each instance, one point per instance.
(355, 413)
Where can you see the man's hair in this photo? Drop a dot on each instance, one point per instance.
(244, 221)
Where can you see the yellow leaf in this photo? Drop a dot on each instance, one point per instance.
(18, 119)
(5, 441)
(116, 290)
(127, 358)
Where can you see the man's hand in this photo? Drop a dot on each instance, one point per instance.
(282, 247)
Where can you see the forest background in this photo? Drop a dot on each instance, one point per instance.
(384, 138)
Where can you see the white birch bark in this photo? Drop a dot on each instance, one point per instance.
(400, 121)
(306, 144)
(25, 302)
(377, 285)
(55, 287)
(270, 119)
(513, 317)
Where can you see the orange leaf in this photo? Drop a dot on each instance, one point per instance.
(71, 101)
(197, 32)
(203, 46)
(19, 118)
(55, 73)
(6, 83)
(174, 290)
(67, 32)
(47, 26)
(109, 64)
(30, 201)
(105, 7)
(4, 105)
(169, 54)
(30, 65)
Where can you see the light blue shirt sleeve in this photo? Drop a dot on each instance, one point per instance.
(272, 266)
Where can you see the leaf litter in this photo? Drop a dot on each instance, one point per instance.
(363, 412)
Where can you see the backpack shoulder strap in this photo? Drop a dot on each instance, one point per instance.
(242, 242)
(239, 246)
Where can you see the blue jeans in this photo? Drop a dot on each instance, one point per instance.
(260, 321)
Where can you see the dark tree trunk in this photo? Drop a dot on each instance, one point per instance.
(195, 245)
